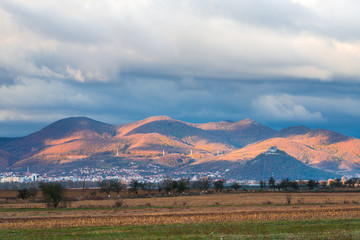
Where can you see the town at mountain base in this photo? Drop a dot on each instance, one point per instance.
(245, 149)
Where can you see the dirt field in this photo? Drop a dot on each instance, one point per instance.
(223, 199)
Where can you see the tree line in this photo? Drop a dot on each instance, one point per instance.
(53, 192)
(167, 185)
(288, 185)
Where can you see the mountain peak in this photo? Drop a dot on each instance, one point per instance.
(72, 119)
(272, 150)
(247, 121)
(68, 126)
(294, 130)
(158, 118)
(76, 123)
(227, 121)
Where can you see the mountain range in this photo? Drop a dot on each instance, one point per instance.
(239, 148)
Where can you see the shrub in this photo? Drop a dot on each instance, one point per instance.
(119, 203)
(33, 192)
(235, 186)
(219, 185)
(288, 198)
(93, 194)
(182, 185)
(23, 193)
(53, 193)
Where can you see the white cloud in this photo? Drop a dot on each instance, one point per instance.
(75, 73)
(283, 108)
(232, 39)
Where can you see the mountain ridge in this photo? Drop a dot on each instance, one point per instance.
(174, 143)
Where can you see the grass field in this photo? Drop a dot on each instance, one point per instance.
(229, 216)
(300, 229)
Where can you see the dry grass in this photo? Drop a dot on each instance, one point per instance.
(184, 209)
(52, 219)
(223, 199)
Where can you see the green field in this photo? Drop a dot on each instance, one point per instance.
(300, 229)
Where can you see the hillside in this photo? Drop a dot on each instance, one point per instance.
(6, 159)
(321, 148)
(163, 133)
(5, 140)
(71, 136)
(239, 133)
(177, 144)
(279, 165)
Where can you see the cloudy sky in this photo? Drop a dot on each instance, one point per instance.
(279, 62)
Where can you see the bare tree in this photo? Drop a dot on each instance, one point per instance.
(135, 185)
(203, 183)
(117, 186)
(105, 186)
(53, 193)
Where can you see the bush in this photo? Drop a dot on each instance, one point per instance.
(53, 193)
(235, 186)
(23, 193)
(27, 192)
(93, 195)
(182, 185)
(288, 198)
(219, 185)
(33, 192)
(119, 203)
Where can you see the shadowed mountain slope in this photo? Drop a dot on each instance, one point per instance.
(174, 133)
(322, 148)
(279, 165)
(239, 133)
(6, 159)
(5, 140)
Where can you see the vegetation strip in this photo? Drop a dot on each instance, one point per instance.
(283, 229)
(179, 217)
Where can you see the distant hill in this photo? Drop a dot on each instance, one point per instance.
(81, 141)
(279, 165)
(66, 137)
(321, 148)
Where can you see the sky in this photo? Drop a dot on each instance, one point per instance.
(279, 62)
